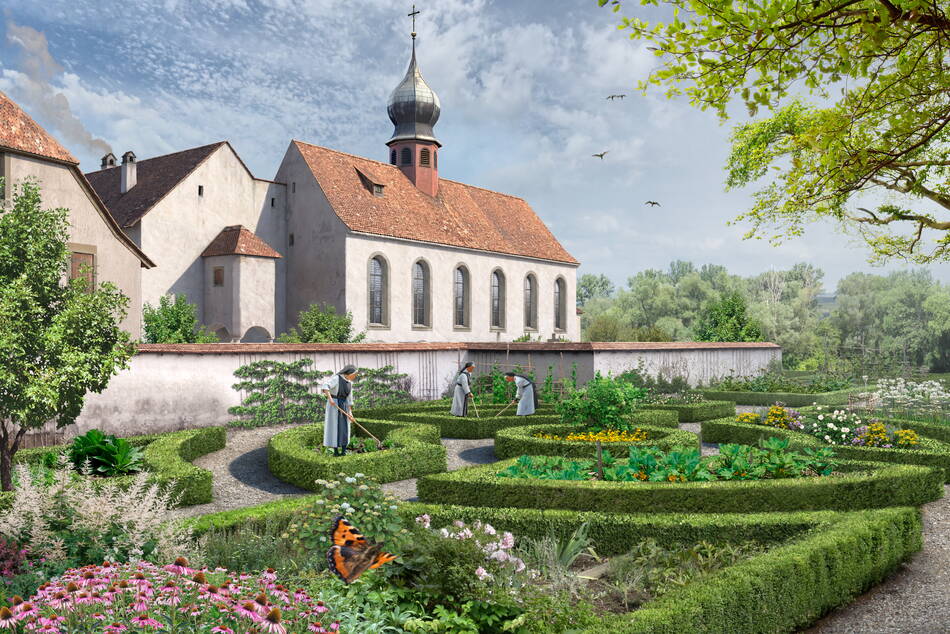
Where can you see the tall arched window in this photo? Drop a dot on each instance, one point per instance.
(378, 289)
(497, 299)
(461, 297)
(392, 157)
(406, 156)
(420, 294)
(560, 309)
(530, 302)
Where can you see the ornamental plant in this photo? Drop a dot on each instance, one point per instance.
(783, 418)
(607, 435)
(104, 454)
(841, 427)
(604, 403)
(923, 400)
(141, 596)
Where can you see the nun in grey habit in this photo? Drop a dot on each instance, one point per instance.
(336, 425)
(526, 395)
(463, 391)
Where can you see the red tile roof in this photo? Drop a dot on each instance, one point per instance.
(155, 177)
(239, 240)
(460, 215)
(18, 131)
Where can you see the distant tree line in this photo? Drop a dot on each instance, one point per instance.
(902, 318)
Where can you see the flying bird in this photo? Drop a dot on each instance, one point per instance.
(601, 155)
(652, 203)
(612, 97)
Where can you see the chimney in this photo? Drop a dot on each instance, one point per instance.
(128, 178)
(108, 161)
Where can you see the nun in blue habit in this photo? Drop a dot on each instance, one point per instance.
(337, 429)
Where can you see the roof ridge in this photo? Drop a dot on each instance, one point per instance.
(152, 158)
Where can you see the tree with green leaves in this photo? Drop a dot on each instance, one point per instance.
(322, 324)
(728, 320)
(60, 339)
(886, 138)
(590, 286)
(174, 321)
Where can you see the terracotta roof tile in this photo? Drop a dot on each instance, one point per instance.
(155, 177)
(239, 240)
(18, 131)
(460, 215)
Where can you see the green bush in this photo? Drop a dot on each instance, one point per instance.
(604, 403)
(695, 412)
(862, 485)
(517, 441)
(930, 452)
(174, 322)
(104, 455)
(291, 454)
(790, 399)
(457, 427)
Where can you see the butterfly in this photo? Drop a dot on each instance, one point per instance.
(351, 555)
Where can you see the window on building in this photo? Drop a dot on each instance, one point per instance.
(530, 302)
(461, 297)
(217, 274)
(201, 190)
(420, 294)
(83, 265)
(377, 190)
(378, 288)
(560, 309)
(290, 240)
(497, 299)
(293, 188)
(425, 157)
(392, 157)
(406, 156)
(273, 202)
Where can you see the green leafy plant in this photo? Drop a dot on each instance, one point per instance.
(602, 404)
(321, 324)
(278, 393)
(105, 455)
(174, 321)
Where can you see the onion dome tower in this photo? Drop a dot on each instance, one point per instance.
(414, 109)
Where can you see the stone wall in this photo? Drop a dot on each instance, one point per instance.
(171, 387)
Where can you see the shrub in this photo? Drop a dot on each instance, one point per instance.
(105, 454)
(695, 412)
(174, 321)
(655, 385)
(516, 441)
(778, 382)
(602, 404)
(840, 427)
(449, 426)
(321, 324)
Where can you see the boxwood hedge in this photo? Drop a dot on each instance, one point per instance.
(167, 456)
(862, 485)
(790, 399)
(517, 441)
(694, 412)
(930, 452)
(470, 427)
(291, 454)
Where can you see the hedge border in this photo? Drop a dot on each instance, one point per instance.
(863, 485)
(791, 399)
(517, 441)
(695, 412)
(167, 456)
(729, 431)
(418, 451)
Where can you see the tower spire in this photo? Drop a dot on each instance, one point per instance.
(413, 16)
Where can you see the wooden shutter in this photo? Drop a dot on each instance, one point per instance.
(76, 268)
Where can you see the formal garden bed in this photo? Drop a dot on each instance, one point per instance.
(772, 387)
(695, 411)
(557, 440)
(297, 456)
(880, 441)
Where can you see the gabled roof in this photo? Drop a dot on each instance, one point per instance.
(459, 216)
(155, 178)
(239, 240)
(18, 131)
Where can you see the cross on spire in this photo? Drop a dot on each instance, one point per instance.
(413, 16)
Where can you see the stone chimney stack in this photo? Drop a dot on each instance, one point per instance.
(108, 161)
(128, 178)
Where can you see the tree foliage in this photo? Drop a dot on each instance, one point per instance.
(174, 321)
(590, 286)
(321, 324)
(886, 134)
(728, 320)
(60, 340)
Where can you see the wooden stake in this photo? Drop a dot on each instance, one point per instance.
(600, 461)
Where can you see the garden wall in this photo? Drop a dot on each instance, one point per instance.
(183, 386)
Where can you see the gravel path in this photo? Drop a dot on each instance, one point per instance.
(459, 453)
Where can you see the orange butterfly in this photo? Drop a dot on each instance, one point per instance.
(351, 555)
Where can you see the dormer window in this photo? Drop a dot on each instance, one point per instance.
(377, 190)
(425, 157)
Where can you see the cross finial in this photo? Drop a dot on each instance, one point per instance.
(413, 16)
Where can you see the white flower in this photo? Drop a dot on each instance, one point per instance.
(350, 480)
(357, 475)
(424, 519)
(821, 417)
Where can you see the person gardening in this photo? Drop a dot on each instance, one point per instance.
(526, 396)
(338, 415)
(463, 390)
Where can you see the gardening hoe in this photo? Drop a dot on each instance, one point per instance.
(476, 408)
(353, 420)
(503, 410)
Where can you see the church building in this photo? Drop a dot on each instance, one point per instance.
(412, 256)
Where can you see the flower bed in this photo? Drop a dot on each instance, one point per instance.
(862, 485)
(516, 441)
(694, 412)
(929, 452)
(416, 451)
(792, 399)
(166, 456)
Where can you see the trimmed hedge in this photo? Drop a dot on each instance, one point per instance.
(791, 399)
(863, 485)
(931, 453)
(695, 412)
(471, 428)
(292, 458)
(167, 456)
(517, 441)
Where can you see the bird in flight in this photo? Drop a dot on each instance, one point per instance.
(612, 97)
(601, 155)
(652, 203)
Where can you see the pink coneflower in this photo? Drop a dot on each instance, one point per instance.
(271, 622)
(270, 574)
(58, 600)
(316, 627)
(180, 567)
(141, 602)
(7, 618)
(221, 629)
(144, 620)
(115, 628)
(26, 610)
(300, 595)
(247, 609)
(334, 626)
(263, 605)
(320, 607)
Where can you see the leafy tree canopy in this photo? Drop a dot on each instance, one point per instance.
(590, 286)
(728, 320)
(322, 324)
(883, 136)
(174, 321)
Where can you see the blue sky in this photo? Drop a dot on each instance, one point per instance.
(522, 85)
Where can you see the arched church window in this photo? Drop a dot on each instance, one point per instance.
(530, 302)
(420, 294)
(378, 288)
(560, 309)
(406, 156)
(392, 157)
(461, 297)
(497, 299)
(425, 157)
